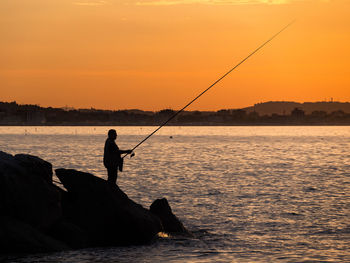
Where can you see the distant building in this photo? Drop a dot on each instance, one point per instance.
(298, 113)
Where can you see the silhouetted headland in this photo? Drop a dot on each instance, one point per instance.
(38, 216)
(268, 113)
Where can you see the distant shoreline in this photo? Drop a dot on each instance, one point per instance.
(261, 114)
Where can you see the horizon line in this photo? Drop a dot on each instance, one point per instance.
(68, 107)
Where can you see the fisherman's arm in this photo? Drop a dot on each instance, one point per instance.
(125, 151)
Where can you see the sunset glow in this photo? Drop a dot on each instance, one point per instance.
(157, 54)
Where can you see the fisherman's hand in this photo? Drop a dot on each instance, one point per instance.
(132, 154)
(128, 151)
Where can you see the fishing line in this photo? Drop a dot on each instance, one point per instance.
(212, 85)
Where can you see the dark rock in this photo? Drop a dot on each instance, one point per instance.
(35, 165)
(171, 224)
(105, 212)
(17, 236)
(26, 192)
(69, 234)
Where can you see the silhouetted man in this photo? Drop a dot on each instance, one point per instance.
(112, 159)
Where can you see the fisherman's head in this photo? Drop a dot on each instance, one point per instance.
(112, 134)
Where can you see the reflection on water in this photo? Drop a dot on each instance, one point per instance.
(257, 194)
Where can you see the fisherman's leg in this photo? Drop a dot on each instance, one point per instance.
(112, 175)
(115, 175)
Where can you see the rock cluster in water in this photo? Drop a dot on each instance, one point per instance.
(38, 216)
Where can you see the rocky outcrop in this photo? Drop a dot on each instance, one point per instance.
(18, 236)
(27, 192)
(107, 215)
(38, 216)
(170, 223)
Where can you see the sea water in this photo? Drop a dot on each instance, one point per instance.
(248, 194)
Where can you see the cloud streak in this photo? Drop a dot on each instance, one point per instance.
(210, 2)
(220, 2)
(90, 3)
(189, 2)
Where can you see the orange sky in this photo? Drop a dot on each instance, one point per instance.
(158, 54)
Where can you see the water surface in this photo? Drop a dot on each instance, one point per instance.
(249, 194)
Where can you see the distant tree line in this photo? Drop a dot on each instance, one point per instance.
(12, 113)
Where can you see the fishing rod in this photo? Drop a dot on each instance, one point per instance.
(212, 85)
